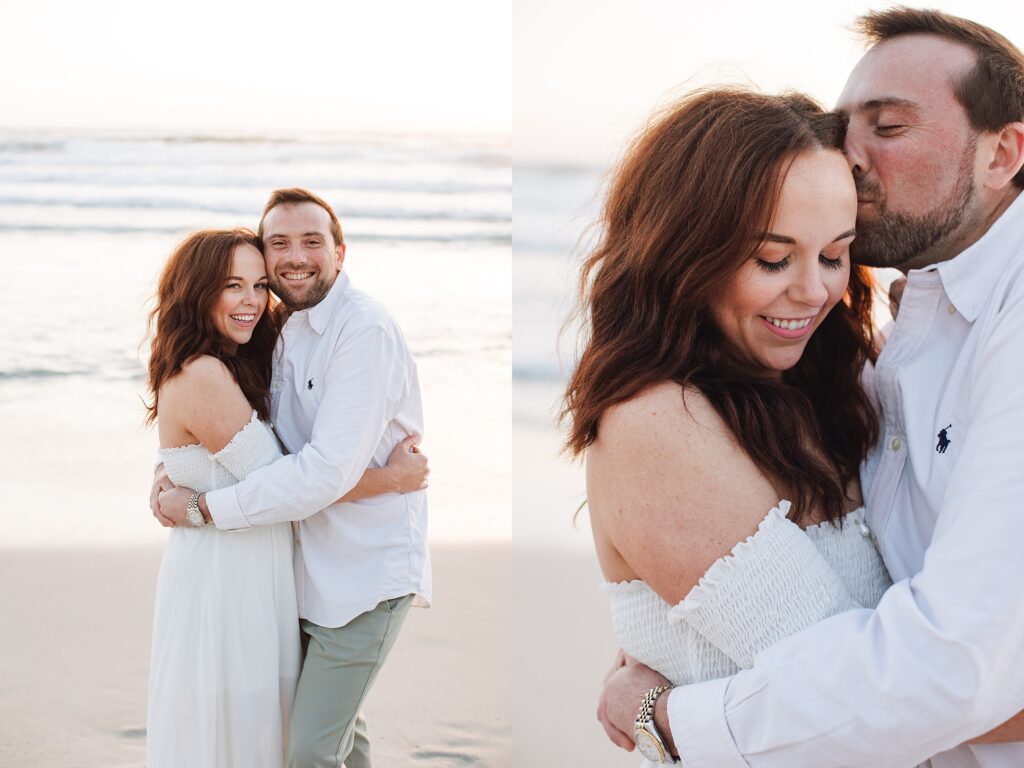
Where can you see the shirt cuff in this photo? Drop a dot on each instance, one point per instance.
(696, 716)
(224, 509)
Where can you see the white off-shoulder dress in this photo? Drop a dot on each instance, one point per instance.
(773, 584)
(226, 656)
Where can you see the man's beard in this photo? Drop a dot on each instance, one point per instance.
(313, 296)
(893, 239)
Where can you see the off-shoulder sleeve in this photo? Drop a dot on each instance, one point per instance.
(253, 446)
(772, 585)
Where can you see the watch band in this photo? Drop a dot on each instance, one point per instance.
(192, 511)
(645, 732)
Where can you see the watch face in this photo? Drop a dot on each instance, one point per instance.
(648, 746)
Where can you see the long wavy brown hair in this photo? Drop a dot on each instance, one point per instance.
(686, 208)
(181, 323)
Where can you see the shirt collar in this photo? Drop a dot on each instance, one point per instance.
(320, 314)
(969, 277)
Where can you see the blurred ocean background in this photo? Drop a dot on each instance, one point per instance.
(86, 223)
(556, 207)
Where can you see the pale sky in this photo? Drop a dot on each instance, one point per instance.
(195, 65)
(590, 72)
(570, 79)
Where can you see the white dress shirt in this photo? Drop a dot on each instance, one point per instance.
(344, 393)
(941, 658)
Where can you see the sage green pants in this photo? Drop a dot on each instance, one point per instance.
(327, 728)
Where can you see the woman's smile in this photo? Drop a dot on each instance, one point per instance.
(789, 328)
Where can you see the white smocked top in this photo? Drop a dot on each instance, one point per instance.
(192, 466)
(778, 581)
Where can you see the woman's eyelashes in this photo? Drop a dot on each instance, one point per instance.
(778, 266)
(773, 266)
(262, 285)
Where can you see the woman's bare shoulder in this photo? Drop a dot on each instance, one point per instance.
(204, 370)
(203, 377)
(202, 402)
(660, 417)
(669, 487)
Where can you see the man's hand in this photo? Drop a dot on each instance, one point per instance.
(408, 465)
(623, 693)
(173, 504)
(161, 482)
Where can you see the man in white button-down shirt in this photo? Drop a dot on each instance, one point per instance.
(936, 144)
(345, 392)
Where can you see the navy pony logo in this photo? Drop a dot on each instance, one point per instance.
(943, 440)
(309, 384)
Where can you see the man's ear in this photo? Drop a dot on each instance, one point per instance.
(339, 252)
(1007, 155)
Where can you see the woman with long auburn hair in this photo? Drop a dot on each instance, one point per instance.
(718, 396)
(225, 657)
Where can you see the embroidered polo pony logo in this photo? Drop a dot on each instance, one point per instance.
(309, 384)
(943, 440)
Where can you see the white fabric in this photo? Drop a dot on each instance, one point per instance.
(345, 392)
(778, 581)
(225, 658)
(939, 660)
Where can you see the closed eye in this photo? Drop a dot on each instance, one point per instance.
(773, 266)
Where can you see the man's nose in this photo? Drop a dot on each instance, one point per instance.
(856, 155)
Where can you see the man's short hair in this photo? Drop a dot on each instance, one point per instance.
(992, 91)
(299, 195)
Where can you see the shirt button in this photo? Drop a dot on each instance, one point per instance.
(951, 309)
(895, 444)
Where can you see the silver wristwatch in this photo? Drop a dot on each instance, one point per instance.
(192, 511)
(646, 735)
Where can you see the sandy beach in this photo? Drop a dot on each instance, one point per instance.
(75, 653)
(561, 655)
(564, 642)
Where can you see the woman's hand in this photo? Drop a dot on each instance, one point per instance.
(619, 738)
(161, 482)
(173, 505)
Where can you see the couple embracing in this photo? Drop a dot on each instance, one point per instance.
(292, 481)
(813, 536)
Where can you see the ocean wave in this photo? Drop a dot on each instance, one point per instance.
(30, 146)
(178, 204)
(538, 372)
(243, 151)
(207, 177)
(469, 238)
(424, 353)
(21, 374)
